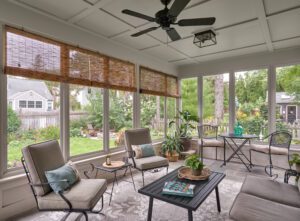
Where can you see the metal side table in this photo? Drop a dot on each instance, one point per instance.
(114, 171)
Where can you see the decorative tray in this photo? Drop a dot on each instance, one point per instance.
(186, 173)
(114, 164)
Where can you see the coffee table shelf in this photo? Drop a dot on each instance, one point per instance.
(201, 192)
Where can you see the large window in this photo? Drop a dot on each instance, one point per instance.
(171, 114)
(251, 101)
(86, 119)
(215, 101)
(189, 96)
(288, 100)
(30, 125)
(120, 116)
(152, 115)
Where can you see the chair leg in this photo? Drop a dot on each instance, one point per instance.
(224, 155)
(250, 158)
(85, 215)
(143, 178)
(216, 153)
(167, 170)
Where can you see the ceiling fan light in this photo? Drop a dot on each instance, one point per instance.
(205, 38)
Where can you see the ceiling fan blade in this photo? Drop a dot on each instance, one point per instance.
(197, 21)
(139, 15)
(144, 31)
(173, 34)
(177, 7)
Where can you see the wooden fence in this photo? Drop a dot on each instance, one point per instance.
(38, 120)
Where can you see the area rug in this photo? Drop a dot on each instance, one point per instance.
(129, 205)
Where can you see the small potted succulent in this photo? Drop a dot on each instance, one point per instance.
(295, 160)
(193, 161)
(171, 147)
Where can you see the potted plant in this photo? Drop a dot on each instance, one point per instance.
(194, 162)
(185, 127)
(295, 160)
(171, 147)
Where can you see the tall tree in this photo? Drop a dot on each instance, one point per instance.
(219, 98)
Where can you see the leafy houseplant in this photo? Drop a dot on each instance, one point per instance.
(194, 162)
(171, 147)
(295, 160)
(185, 126)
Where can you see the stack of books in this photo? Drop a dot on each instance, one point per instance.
(178, 189)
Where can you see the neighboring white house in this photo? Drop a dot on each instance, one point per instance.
(28, 95)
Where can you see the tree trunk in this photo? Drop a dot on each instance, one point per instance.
(219, 98)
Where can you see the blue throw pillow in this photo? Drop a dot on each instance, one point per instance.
(147, 150)
(65, 172)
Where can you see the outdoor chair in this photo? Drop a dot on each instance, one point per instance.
(81, 197)
(138, 137)
(279, 144)
(208, 137)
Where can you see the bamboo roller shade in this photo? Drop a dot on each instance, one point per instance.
(158, 83)
(34, 56)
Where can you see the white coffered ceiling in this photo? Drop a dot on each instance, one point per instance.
(242, 26)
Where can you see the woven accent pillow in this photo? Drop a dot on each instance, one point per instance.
(143, 150)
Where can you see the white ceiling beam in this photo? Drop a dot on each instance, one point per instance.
(262, 17)
(89, 10)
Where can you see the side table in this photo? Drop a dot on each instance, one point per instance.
(288, 173)
(125, 167)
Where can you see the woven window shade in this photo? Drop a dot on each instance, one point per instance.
(87, 68)
(157, 83)
(121, 75)
(172, 86)
(34, 56)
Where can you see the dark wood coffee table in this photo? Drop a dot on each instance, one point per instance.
(202, 191)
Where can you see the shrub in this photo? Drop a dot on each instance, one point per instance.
(49, 133)
(79, 123)
(13, 121)
(75, 132)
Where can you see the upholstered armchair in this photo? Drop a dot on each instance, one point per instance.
(81, 197)
(138, 137)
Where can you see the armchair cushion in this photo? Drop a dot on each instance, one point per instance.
(211, 143)
(272, 190)
(65, 172)
(136, 137)
(143, 150)
(42, 157)
(151, 162)
(265, 149)
(83, 195)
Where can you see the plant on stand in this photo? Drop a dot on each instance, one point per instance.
(295, 161)
(194, 162)
(185, 127)
(171, 147)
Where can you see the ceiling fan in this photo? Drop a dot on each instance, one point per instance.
(167, 17)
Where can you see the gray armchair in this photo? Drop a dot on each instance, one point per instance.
(138, 137)
(81, 198)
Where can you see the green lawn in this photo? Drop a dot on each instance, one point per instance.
(78, 145)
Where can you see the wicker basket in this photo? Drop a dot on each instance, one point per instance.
(186, 173)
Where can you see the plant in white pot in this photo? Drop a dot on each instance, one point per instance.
(193, 161)
(295, 161)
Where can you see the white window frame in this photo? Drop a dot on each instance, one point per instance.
(36, 104)
(30, 102)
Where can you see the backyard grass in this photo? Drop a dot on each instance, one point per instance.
(78, 145)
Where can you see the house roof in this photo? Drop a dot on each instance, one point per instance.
(19, 85)
(284, 98)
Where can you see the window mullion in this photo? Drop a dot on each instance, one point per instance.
(231, 101)
(65, 119)
(106, 120)
(272, 98)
